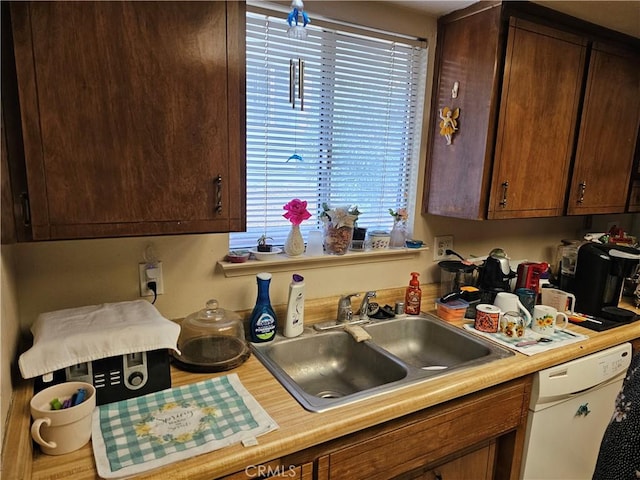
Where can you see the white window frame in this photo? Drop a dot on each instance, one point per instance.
(278, 229)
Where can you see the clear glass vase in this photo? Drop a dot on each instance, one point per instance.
(294, 246)
(337, 239)
(398, 235)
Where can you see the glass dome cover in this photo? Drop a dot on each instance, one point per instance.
(211, 340)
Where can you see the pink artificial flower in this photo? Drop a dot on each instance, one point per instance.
(296, 211)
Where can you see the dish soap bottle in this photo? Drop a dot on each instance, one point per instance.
(413, 296)
(294, 324)
(262, 324)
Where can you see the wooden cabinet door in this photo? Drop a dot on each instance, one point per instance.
(477, 465)
(460, 173)
(132, 115)
(538, 111)
(608, 133)
(458, 428)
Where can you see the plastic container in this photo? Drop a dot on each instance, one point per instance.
(263, 321)
(453, 310)
(413, 295)
(294, 323)
(379, 239)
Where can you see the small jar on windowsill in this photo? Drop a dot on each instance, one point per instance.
(359, 237)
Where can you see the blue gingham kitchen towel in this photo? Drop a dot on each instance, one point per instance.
(132, 436)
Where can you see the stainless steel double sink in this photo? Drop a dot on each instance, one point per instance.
(323, 370)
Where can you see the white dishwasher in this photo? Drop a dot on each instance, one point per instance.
(571, 406)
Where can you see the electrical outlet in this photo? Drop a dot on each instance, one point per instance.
(149, 272)
(440, 245)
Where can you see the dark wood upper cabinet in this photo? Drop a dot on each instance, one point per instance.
(608, 132)
(460, 173)
(132, 116)
(540, 103)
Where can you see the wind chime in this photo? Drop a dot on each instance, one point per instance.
(297, 32)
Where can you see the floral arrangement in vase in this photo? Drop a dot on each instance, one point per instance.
(296, 213)
(399, 215)
(399, 231)
(338, 227)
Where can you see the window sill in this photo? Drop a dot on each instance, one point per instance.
(282, 263)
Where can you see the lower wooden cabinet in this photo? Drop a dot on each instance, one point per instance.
(426, 439)
(479, 436)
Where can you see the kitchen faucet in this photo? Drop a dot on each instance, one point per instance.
(345, 312)
(344, 318)
(364, 306)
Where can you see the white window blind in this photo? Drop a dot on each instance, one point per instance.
(358, 135)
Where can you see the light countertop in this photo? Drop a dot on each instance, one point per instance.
(299, 429)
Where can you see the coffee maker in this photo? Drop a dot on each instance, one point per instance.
(495, 275)
(599, 275)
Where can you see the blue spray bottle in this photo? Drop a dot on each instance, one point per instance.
(262, 325)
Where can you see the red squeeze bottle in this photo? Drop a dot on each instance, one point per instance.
(413, 296)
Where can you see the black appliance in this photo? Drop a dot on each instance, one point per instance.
(495, 275)
(600, 273)
(116, 378)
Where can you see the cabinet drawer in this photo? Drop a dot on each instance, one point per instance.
(472, 420)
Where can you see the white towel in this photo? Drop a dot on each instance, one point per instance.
(78, 335)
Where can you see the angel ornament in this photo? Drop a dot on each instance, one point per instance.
(448, 122)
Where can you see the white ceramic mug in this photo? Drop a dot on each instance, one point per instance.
(513, 324)
(545, 320)
(509, 302)
(65, 430)
(558, 299)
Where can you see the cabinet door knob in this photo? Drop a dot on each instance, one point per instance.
(219, 195)
(505, 187)
(583, 187)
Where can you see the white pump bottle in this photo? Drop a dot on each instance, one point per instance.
(294, 323)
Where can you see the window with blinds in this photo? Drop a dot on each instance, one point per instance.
(333, 118)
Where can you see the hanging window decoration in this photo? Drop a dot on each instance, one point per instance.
(297, 12)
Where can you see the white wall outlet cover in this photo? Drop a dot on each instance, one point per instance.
(150, 272)
(441, 244)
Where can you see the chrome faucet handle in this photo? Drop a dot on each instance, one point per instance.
(364, 306)
(345, 312)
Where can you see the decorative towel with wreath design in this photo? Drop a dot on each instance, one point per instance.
(139, 434)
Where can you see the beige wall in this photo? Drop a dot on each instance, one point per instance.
(55, 275)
